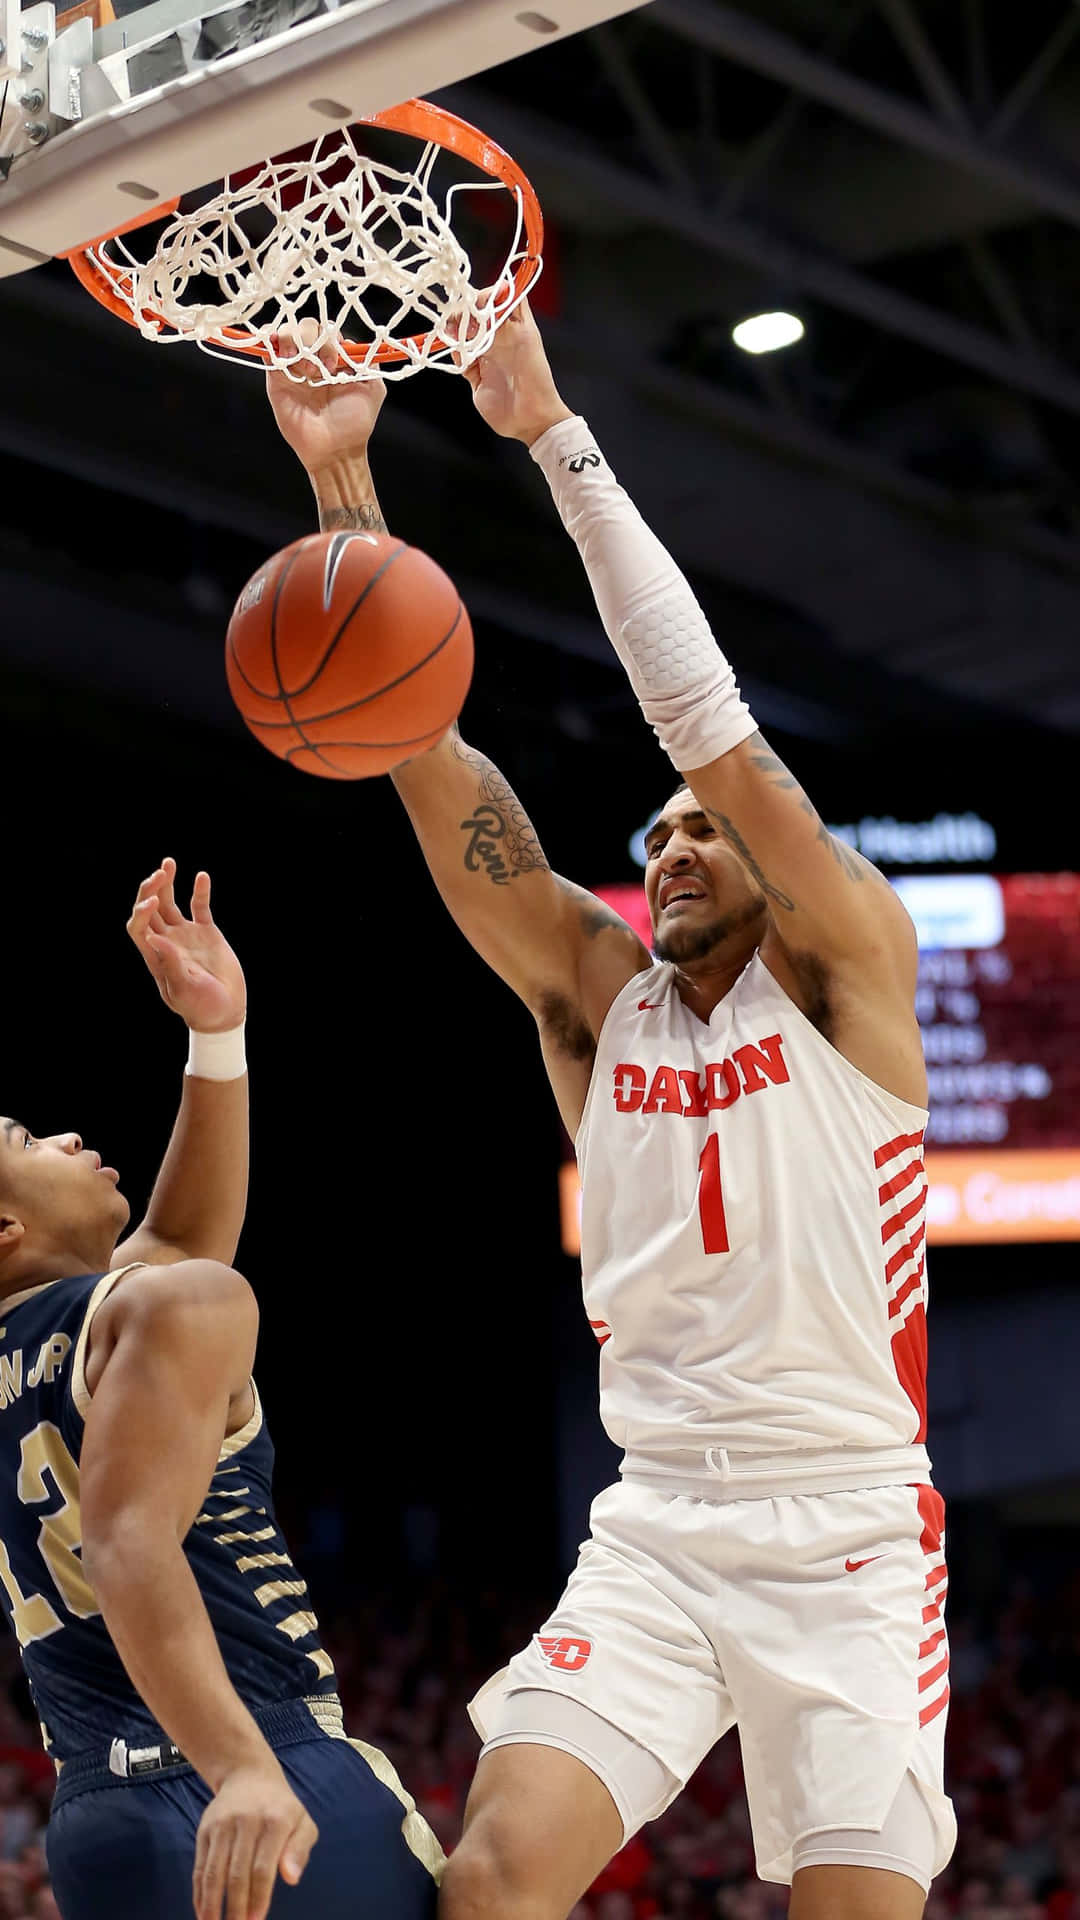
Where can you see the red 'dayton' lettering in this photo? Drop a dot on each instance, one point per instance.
(630, 1085)
(691, 1095)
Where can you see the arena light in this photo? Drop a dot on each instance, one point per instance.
(768, 332)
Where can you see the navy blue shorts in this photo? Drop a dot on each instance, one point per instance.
(126, 1848)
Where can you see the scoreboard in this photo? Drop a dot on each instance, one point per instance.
(998, 1004)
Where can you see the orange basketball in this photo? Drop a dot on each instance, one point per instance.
(348, 653)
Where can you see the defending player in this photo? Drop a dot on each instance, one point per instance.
(749, 1114)
(169, 1643)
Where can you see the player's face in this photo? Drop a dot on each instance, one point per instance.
(699, 891)
(59, 1190)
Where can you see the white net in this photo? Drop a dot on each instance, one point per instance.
(359, 247)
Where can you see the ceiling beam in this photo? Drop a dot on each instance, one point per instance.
(909, 31)
(1031, 83)
(545, 143)
(614, 61)
(798, 440)
(723, 30)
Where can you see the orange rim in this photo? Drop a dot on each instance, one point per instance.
(110, 281)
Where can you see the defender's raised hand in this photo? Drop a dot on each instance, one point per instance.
(513, 385)
(197, 973)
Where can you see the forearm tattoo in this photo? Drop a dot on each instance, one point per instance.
(850, 863)
(500, 838)
(734, 839)
(352, 520)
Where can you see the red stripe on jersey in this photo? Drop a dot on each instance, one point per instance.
(893, 1148)
(900, 1180)
(933, 1613)
(935, 1673)
(935, 1640)
(904, 1293)
(897, 1221)
(932, 1515)
(935, 1577)
(907, 1252)
(936, 1706)
(909, 1359)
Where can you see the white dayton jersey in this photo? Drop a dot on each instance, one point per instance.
(753, 1224)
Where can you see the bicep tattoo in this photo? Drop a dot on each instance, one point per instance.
(593, 915)
(500, 839)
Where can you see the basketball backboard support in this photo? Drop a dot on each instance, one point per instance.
(104, 118)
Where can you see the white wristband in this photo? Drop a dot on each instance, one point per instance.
(685, 685)
(216, 1056)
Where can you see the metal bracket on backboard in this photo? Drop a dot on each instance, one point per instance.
(120, 145)
(9, 40)
(27, 118)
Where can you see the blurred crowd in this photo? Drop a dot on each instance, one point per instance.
(407, 1667)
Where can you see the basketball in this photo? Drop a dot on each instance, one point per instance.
(348, 653)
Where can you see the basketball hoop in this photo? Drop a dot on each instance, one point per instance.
(334, 236)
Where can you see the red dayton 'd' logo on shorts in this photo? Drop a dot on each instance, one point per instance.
(564, 1651)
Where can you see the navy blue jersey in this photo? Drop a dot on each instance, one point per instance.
(258, 1604)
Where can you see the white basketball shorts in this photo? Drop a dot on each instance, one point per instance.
(813, 1622)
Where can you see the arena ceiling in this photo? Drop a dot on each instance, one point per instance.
(892, 504)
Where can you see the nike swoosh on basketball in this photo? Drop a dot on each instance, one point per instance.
(852, 1566)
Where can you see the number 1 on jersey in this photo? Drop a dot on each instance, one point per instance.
(711, 1199)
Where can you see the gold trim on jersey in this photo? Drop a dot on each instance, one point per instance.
(297, 1626)
(80, 1392)
(272, 1590)
(244, 1435)
(326, 1712)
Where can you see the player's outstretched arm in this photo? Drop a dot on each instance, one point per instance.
(197, 1206)
(170, 1350)
(561, 950)
(823, 897)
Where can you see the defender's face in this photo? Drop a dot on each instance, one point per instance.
(698, 890)
(57, 1187)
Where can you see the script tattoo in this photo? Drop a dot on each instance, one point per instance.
(501, 840)
(352, 520)
(486, 828)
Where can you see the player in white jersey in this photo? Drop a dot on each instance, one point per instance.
(749, 1113)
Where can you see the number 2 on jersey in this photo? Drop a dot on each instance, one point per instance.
(711, 1199)
(33, 1617)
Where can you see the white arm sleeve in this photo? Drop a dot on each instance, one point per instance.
(685, 685)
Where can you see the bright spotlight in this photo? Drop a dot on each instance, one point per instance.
(768, 332)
